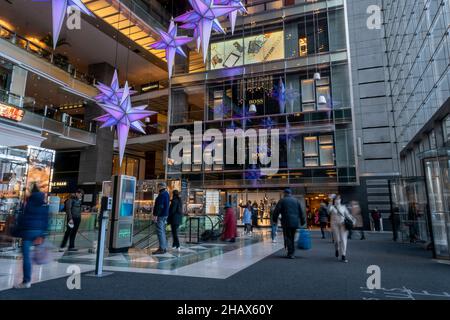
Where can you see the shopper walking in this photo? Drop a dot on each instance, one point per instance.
(292, 217)
(339, 213)
(247, 219)
(395, 221)
(359, 222)
(323, 218)
(73, 214)
(229, 224)
(376, 218)
(32, 228)
(274, 222)
(160, 214)
(175, 217)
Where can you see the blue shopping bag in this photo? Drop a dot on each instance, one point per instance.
(304, 239)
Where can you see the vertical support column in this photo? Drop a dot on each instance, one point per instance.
(18, 86)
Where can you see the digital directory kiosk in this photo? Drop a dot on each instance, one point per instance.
(122, 215)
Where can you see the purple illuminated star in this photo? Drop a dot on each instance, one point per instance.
(113, 93)
(204, 16)
(172, 44)
(240, 8)
(59, 11)
(124, 117)
(284, 95)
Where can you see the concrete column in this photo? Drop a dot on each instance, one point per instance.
(96, 161)
(18, 85)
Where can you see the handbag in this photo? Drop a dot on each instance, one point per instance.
(42, 253)
(348, 223)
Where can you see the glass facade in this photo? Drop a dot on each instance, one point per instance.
(279, 75)
(418, 49)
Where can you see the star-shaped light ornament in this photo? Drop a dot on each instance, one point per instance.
(124, 117)
(239, 8)
(172, 44)
(204, 19)
(111, 94)
(284, 95)
(59, 11)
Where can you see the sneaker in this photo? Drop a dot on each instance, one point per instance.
(344, 259)
(274, 241)
(73, 249)
(291, 257)
(62, 250)
(23, 285)
(159, 251)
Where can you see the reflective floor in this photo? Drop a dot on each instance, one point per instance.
(217, 260)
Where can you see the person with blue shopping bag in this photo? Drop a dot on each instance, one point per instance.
(292, 217)
(32, 228)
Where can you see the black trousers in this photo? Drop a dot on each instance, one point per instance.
(176, 241)
(289, 236)
(71, 233)
(323, 226)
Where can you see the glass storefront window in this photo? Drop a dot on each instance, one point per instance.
(446, 128)
(130, 166)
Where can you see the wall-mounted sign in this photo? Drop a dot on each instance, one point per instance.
(11, 113)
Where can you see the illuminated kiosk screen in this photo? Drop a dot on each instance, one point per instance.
(127, 198)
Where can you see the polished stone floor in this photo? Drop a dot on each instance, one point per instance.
(216, 260)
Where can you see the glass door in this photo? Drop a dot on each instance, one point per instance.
(438, 185)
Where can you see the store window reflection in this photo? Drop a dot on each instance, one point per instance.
(130, 166)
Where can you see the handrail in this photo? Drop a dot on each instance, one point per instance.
(45, 54)
(29, 104)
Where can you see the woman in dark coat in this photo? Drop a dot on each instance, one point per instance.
(175, 217)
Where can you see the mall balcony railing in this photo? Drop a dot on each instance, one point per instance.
(55, 59)
(29, 104)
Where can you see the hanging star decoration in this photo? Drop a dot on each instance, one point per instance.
(111, 94)
(204, 18)
(59, 11)
(123, 116)
(284, 95)
(172, 44)
(239, 8)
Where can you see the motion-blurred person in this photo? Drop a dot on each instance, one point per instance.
(359, 222)
(160, 214)
(247, 219)
(339, 213)
(32, 228)
(73, 213)
(274, 222)
(376, 218)
(229, 224)
(255, 213)
(395, 221)
(175, 217)
(292, 217)
(323, 218)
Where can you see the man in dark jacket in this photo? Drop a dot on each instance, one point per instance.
(323, 218)
(292, 217)
(160, 214)
(175, 217)
(73, 212)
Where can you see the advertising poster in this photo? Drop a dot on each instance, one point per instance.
(127, 196)
(40, 166)
(253, 49)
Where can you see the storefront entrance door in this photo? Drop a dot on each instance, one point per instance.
(438, 191)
